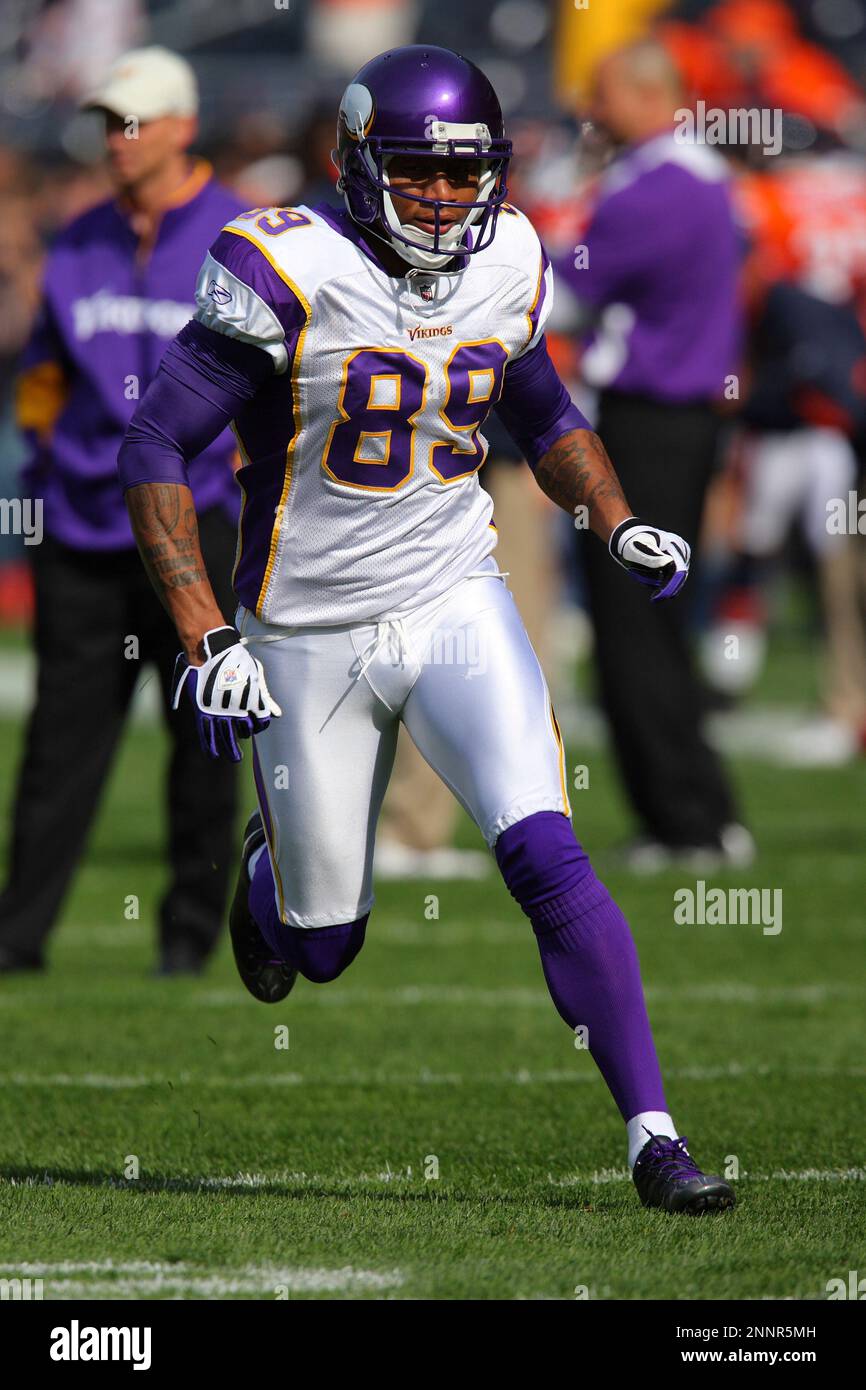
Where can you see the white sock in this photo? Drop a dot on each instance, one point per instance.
(656, 1121)
(254, 859)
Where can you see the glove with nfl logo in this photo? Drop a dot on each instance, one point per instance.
(652, 556)
(229, 692)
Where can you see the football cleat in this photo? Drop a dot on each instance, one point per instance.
(666, 1176)
(267, 979)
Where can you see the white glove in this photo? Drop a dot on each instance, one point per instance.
(651, 556)
(229, 692)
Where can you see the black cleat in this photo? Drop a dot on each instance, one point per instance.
(267, 979)
(667, 1176)
(14, 962)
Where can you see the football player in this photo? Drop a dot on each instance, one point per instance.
(357, 353)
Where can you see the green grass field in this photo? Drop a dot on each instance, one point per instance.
(310, 1171)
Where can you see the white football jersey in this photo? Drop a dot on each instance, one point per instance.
(361, 491)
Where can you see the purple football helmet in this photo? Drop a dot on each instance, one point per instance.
(430, 102)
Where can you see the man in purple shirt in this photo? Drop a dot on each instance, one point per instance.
(657, 273)
(118, 286)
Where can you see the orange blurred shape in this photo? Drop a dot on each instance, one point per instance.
(801, 77)
(703, 61)
(753, 24)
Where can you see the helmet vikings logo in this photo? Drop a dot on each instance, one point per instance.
(357, 109)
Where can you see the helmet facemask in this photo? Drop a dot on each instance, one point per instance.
(367, 188)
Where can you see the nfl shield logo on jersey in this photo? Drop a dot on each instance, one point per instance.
(425, 289)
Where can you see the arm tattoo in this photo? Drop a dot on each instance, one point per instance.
(576, 471)
(167, 539)
(166, 530)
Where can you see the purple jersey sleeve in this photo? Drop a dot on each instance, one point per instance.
(535, 407)
(203, 381)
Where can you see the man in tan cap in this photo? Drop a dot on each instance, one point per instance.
(119, 284)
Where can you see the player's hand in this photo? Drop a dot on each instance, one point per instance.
(229, 692)
(651, 556)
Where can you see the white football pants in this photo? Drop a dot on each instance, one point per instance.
(459, 671)
(793, 474)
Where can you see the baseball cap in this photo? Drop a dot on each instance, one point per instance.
(147, 83)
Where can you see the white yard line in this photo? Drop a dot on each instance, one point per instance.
(609, 1175)
(413, 996)
(99, 1081)
(467, 996)
(146, 1278)
(247, 1181)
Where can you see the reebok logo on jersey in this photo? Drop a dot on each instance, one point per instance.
(420, 331)
(218, 293)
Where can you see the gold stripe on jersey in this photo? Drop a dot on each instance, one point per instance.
(531, 308)
(245, 458)
(296, 411)
(562, 779)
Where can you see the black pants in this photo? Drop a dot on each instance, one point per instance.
(664, 456)
(87, 607)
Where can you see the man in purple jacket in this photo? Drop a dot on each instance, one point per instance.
(118, 286)
(657, 271)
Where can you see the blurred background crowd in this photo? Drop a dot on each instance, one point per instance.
(774, 568)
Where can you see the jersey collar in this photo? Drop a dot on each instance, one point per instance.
(339, 219)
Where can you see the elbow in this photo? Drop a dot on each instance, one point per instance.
(149, 456)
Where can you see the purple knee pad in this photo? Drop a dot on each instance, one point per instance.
(547, 871)
(319, 953)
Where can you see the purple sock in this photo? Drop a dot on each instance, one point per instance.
(587, 953)
(319, 953)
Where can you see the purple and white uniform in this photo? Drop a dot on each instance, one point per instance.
(365, 574)
(362, 488)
